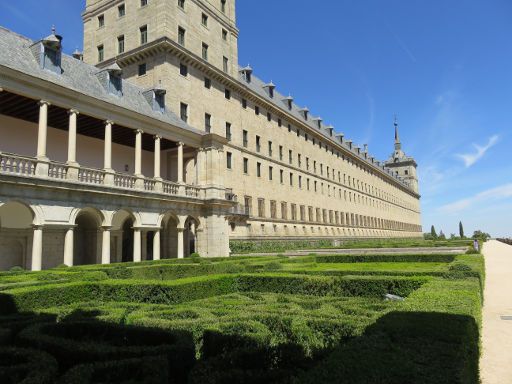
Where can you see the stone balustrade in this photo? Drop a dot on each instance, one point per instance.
(17, 165)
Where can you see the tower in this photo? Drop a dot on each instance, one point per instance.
(404, 165)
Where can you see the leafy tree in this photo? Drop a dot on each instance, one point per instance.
(442, 236)
(433, 232)
(461, 230)
(479, 235)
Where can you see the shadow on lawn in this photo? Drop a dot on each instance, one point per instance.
(400, 348)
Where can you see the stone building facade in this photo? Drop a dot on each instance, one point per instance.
(155, 143)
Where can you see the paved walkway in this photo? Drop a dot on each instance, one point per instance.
(496, 361)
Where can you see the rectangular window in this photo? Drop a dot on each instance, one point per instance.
(229, 160)
(181, 4)
(223, 6)
(120, 44)
(270, 148)
(245, 136)
(142, 69)
(269, 116)
(257, 110)
(258, 144)
(284, 211)
(207, 83)
(281, 152)
(228, 131)
(207, 122)
(258, 169)
(290, 156)
(300, 182)
(101, 53)
(205, 51)
(294, 212)
(302, 213)
(184, 112)
(299, 160)
(270, 173)
(143, 34)
(289, 128)
(279, 122)
(101, 21)
(143, 3)
(227, 94)
(246, 165)
(291, 179)
(121, 10)
(181, 36)
(183, 70)
(224, 35)
(225, 63)
(281, 176)
(261, 207)
(307, 183)
(204, 19)
(244, 103)
(273, 210)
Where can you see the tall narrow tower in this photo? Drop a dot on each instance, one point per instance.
(405, 165)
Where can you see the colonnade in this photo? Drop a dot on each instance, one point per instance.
(43, 161)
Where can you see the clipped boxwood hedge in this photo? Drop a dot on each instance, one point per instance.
(391, 258)
(148, 370)
(329, 286)
(86, 342)
(26, 366)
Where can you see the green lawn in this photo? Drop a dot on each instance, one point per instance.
(312, 319)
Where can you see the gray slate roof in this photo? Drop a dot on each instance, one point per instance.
(279, 100)
(15, 53)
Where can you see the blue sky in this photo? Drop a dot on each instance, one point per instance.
(445, 67)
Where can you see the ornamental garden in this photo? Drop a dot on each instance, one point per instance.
(368, 317)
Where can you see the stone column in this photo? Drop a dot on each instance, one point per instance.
(72, 164)
(42, 136)
(107, 158)
(69, 247)
(157, 172)
(105, 245)
(137, 245)
(37, 248)
(144, 244)
(156, 245)
(180, 163)
(138, 159)
(181, 248)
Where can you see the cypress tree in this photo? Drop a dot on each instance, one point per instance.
(461, 230)
(433, 232)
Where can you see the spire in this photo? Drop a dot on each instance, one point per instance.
(398, 145)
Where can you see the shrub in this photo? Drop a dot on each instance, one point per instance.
(26, 366)
(149, 370)
(329, 286)
(273, 266)
(86, 342)
(16, 269)
(392, 258)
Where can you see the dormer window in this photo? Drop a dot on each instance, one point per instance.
(115, 84)
(51, 59)
(247, 73)
(270, 88)
(48, 53)
(305, 113)
(156, 98)
(289, 102)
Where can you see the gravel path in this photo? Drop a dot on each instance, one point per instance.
(496, 361)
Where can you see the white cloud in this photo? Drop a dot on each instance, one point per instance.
(494, 194)
(471, 158)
